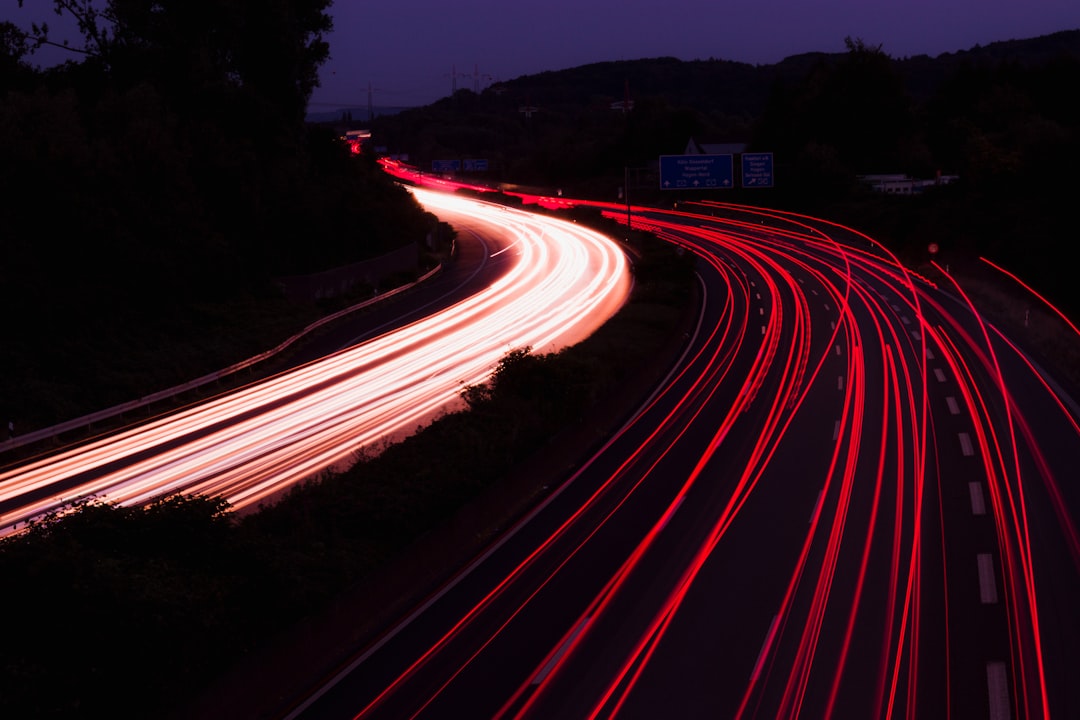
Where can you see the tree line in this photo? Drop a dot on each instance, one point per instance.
(1000, 118)
(153, 187)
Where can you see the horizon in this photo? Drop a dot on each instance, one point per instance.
(413, 54)
(328, 111)
(467, 82)
(409, 54)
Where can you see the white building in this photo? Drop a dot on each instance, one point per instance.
(901, 184)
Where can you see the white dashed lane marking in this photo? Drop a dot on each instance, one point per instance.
(978, 502)
(987, 587)
(997, 685)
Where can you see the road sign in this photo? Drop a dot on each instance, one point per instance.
(696, 172)
(478, 165)
(445, 165)
(757, 170)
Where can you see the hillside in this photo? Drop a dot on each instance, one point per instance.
(1000, 117)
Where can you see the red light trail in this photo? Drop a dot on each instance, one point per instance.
(896, 598)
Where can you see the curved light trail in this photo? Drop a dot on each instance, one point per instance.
(562, 283)
(852, 498)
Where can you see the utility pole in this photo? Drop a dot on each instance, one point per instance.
(478, 78)
(627, 105)
(527, 109)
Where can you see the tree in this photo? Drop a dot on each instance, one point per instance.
(863, 110)
(263, 54)
(14, 45)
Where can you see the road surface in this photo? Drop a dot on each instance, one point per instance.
(557, 283)
(852, 497)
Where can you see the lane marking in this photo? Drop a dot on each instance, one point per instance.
(987, 587)
(953, 407)
(550, 665)
(838, 351)
(827, 306)
(762, 329)
(832, 324)
(761, 653)
(761, 311)
(836, 430)
(840, 383)
(667, 517)
(929, 354)
(978, 502)
(817, 507)
(915, 334)
(939, 374)
(997, 685)
(904, 319)
(965, 445)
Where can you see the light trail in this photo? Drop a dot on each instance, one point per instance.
(870, 617)
(563, 281)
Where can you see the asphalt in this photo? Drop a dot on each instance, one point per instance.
(270, 682)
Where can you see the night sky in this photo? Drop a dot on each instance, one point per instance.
(409, 51)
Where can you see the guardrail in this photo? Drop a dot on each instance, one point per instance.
(88, 420)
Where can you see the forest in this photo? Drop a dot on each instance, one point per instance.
(153, 189)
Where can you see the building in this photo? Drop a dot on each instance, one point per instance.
(693, 147)
(901, 184)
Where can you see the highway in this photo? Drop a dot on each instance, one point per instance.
(852, 497)
(548, 284)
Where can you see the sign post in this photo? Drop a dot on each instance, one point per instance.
(444, 166)
(696, 172)
(757, 170)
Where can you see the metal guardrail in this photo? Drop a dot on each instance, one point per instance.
(88, 420)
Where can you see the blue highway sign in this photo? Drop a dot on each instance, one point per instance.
(695, 172)
(445, 165)
(757, 170)
(477, 165)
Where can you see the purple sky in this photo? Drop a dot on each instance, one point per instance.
(408, 50)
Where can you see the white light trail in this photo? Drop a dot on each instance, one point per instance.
(564, 282)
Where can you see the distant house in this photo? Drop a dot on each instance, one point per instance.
(693, 147)
(901, 184)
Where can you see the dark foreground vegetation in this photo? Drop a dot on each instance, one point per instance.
(154, 189)
(133, 612)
